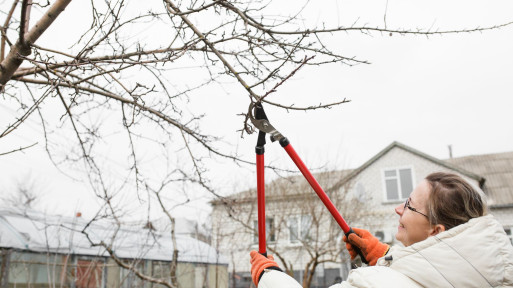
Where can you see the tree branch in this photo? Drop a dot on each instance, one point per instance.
(174, 9)
(4, 30)
(17, 150)
(22, 46)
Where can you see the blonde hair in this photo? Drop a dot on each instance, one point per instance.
(453, 201)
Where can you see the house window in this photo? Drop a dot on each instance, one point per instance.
(509, 233)
(128, 278)
(398, 183)
(34, 270)
(200, 276)
(299, 227)
(269, 230)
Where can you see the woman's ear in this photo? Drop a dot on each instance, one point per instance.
(435, 229)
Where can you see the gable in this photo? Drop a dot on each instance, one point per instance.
(444, 166)
(397, 158)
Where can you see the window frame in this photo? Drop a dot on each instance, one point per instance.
(128, 278)
(401, 193)
(269, 235)
(301, 236)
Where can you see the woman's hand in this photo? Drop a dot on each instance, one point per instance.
(370, 246)
(258, 263)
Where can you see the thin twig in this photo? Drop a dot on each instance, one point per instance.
(17, 150)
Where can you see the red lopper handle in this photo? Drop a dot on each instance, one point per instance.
(324, 198)
(261, 203)
(317, 188)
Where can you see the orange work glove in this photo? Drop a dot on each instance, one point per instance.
(259, 263)
(370, 246)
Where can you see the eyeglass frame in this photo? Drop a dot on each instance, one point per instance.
(407, 205)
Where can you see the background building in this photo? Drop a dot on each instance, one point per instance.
(40, 250)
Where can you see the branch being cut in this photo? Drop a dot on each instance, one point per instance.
(174, 9)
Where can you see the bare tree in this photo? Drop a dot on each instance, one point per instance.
(27, 194)
(302, 233)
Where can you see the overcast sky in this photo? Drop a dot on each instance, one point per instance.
(427, 93)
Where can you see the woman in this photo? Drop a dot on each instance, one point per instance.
(448, 239)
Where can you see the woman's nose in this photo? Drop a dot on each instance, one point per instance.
(399, 209)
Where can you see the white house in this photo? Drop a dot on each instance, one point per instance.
(301, 231)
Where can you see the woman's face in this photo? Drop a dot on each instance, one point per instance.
(413, 226)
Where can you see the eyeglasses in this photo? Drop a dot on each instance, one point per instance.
(407, 205)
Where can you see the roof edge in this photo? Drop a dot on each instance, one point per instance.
(394, 144)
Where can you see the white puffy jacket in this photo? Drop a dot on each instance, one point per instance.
(475, 254)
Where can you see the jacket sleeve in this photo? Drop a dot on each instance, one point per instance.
(277, 279)
(342, 285)
(375, 277)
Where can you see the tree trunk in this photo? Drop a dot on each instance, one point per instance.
(309, 272)
(174, 263)
(22, 46)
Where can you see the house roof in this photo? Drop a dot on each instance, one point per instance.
(395, 144)
(38, 232)
(497, 169)
(183, 226)
(287, 187)
(493, 172)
